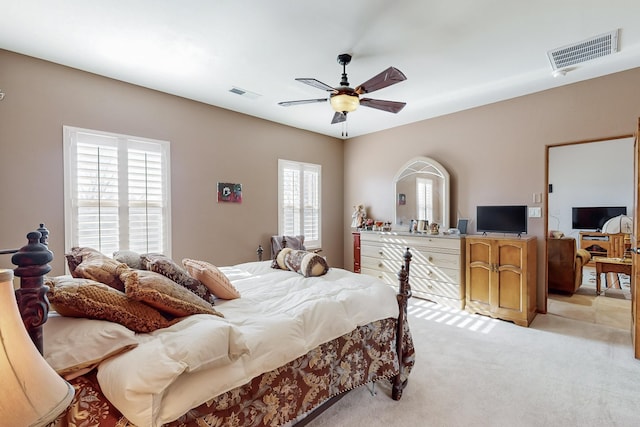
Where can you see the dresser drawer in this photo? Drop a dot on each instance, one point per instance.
(445, 244)
(422, 286)
(424, 270)
(419, 255)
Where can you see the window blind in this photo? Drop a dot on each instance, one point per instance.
(116, 192)
(299, 201)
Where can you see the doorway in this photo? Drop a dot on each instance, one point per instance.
(591, 173)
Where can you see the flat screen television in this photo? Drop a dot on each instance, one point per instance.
(501, 219)
(593, 218)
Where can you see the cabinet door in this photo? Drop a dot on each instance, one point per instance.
(511, 285)
(479, 274)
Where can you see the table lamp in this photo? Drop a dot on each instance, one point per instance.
(31, 392)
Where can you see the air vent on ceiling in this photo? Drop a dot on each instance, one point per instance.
(595, 47)
(245, 93)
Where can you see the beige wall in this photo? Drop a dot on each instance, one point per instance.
(495, 153)
(208, 145)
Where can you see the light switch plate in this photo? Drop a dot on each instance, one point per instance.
(535, 212)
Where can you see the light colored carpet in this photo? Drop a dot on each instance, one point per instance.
(472, 370)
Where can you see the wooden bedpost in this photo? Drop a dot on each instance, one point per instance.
(33, 263)
(404, 293)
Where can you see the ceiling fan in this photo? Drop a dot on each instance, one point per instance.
(345, 99)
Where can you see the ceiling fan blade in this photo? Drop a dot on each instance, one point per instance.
(338, 117)
(317, 84)
(302, 101)
(390, 106)
(386, 78)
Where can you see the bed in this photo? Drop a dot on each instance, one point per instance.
(282, 352)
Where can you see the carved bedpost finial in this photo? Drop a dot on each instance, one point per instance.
(259, 252)
(33, 263)
(407, 259)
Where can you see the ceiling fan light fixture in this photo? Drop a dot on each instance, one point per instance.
(344, 103)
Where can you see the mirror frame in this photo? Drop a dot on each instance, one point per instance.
(424, 165)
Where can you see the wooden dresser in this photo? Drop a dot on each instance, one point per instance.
(501, 277)
(437, 265)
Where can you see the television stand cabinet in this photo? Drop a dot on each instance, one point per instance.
(603, 244)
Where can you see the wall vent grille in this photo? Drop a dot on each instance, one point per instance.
(595, 47)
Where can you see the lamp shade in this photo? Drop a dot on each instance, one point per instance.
(344, 102)
(31, 392)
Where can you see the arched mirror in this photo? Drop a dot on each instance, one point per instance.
(422, 193)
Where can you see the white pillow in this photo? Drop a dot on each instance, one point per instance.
(74, 346)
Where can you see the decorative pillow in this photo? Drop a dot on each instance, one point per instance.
(278, 261)
(214, 279)
(131, 258)
(76, 346)
(164, 294)
(306, 263)
(164, 265)
(75, 297)
(79, 254)
(104, 270)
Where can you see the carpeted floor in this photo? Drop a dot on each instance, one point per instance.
(472, 370)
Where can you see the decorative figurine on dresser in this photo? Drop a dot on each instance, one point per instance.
(437, 268)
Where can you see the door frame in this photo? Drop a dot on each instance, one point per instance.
(635, 271)
(546, 203)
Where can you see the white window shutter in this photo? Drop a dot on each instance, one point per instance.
(117, 193)
(299, 201)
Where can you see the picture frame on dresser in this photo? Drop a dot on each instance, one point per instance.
(462, 225)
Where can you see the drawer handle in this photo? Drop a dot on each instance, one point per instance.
(430, 259)
(381, 253)
(380, 265)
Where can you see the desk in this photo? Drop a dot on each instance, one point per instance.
(610, 265)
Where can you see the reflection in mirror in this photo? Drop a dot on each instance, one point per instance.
(422, 193)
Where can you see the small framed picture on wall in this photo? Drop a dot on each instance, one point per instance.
(228, 192)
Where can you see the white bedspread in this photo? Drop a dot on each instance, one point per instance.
(280, 316)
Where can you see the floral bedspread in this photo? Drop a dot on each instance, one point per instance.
(277, 397)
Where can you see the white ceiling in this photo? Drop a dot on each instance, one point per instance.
(456, 54)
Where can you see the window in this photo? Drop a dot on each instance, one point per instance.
(424, 197)
(117, 192)
(299, 201)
